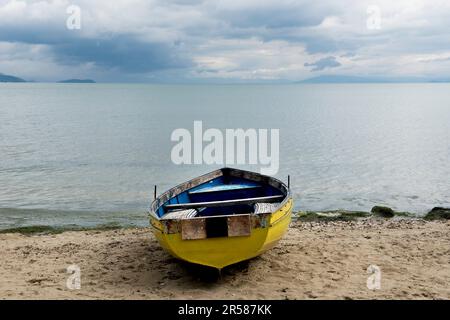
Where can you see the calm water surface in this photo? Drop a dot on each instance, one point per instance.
(90, 154)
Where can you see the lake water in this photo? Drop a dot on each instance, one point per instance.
(90, 154)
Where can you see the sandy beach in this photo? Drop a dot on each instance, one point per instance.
(315, 260)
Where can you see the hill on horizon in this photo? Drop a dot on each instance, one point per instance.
(77, 81)
(368, 79)
(8, 78)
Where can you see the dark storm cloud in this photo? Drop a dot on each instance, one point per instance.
(41, 34)
(324, 63)
(284, 20)
(122, 52)
(271, 18)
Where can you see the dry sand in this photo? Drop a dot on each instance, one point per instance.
(313, 261)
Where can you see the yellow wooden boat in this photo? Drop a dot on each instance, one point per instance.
(223, 217)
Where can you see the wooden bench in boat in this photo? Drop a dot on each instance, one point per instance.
(223, 203)
(191, 213)
(265, 207)
(180, 214)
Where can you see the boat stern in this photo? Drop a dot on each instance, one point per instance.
(220, 241)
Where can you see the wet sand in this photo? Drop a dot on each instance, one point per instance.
(315, 260)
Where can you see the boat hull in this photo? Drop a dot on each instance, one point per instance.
(219, 252)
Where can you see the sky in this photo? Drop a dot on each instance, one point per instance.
(236, 41)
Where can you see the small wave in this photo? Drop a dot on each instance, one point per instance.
(24, 217)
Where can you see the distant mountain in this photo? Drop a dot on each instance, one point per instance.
(344, 79)
(356, 79)
(440, 81)
(77, 81)
(7, 78)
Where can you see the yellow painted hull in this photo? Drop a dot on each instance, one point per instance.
(224, 251)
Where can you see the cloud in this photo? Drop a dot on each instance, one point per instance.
(250, 59)
(272, 15)
(324, 63)
(137, 40)
(122, 52)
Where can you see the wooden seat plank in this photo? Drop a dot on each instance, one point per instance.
(223, 202)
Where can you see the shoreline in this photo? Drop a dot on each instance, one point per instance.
(315, 260)
(436, 213)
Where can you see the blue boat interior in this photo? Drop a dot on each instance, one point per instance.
(221, 189)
